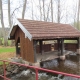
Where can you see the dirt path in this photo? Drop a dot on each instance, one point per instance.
(7, 55)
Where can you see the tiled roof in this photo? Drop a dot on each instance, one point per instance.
(48, 30)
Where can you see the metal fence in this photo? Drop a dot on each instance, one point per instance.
(36, 70)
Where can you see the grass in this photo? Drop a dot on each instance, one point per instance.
(7, 49)
(1, 63)
(70, 41)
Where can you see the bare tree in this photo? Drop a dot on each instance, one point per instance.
(32, 9)
(75, 14)
(78, 14)
(9, 16)
(3, 27)
(47, 17)
(58, 16)
(16, 9)
(52, 10)
(40, 10)
(0, 29)
(24, 9)
(43, 9)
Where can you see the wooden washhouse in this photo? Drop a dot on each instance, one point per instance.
(30, 33)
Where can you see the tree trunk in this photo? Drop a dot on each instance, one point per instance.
(58, 11)
(0, 41)
(40, 10)
(9, 19)
(3, 28)
(47, 17)
(52, 10)
(78, 15)
(32, 10)
(24, 9)
(43, 10)
(9, 16)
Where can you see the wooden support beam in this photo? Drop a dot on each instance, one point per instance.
(72, 38)
(78, 43)
(35, 55)
(16, 48)
(40, 43)
(62, 46)
(58, 41)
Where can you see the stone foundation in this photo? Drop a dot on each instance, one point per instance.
(62, 57)
(78, 51)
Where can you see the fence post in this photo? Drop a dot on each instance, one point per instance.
(4, 67)
(36, 73)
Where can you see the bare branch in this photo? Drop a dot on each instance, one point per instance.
(24, 8)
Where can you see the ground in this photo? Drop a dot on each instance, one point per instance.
(7, 55)
(7, 52)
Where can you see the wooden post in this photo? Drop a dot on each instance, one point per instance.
(40, 43)
(16, 48)
(62, 46)
(58, 41)
(62, 57)
(35, 56)
(78, 46)
(78, 43)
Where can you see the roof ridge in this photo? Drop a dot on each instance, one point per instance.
(39, 21)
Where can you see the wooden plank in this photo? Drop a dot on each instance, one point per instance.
(29, 50)
(22, 44)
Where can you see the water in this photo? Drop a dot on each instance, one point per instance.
(70, 65)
